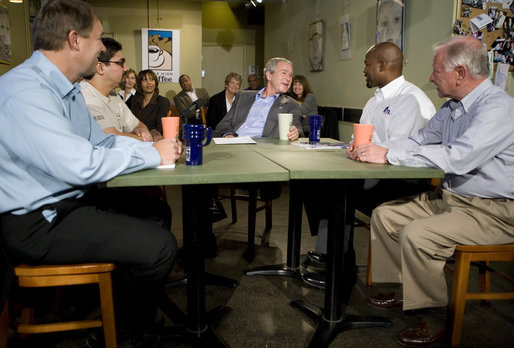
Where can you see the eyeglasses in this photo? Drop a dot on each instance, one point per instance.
(120, 62)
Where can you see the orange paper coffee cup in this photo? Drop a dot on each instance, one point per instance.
(169, 127)
(362, 133)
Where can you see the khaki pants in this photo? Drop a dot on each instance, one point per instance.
(412, 237)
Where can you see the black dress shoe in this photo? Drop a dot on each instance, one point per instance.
(385, 301)
(317, 257)
(316, 279)
(216, 210)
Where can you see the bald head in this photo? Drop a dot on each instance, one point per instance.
(382, 64)
(390, 56)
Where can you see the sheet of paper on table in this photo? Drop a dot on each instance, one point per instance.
(322, 145)
(234, 140)
(166, 166)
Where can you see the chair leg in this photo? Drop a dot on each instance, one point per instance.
(369, 278)
(269, 215)
(4, 325)
(164, 197)
(27, 317)
(107, 307)
(458, 299)
(233, 205)
(485, 279)
(252, 216)
(269, 222)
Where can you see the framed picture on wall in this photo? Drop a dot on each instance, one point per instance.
(5, 36)
(34, 7)
(161, 52)
(316, 46)
(390, 21)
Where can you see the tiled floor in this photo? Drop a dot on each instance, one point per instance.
(261, 315)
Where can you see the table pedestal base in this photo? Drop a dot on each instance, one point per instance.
(275, 270)
(327, 330)
(210, 279)
(203, 338)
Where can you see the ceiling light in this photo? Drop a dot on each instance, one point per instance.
(16, 1)
(253, 3)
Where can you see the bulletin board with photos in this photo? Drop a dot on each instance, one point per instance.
(490, 21)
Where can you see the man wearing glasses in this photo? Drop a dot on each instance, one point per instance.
(111, 113)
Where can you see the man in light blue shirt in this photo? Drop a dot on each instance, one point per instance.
(472, 139)
(52, 154)
(257, 116)
(255, 113)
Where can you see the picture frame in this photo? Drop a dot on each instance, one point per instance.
(390, 20)
(33, 8)
(161, 52)
(316, 45)
(5, 36)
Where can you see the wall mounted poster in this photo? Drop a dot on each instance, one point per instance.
(5, 36)
(161, 53)
(316, 46)
(390, 19)
(344, 25)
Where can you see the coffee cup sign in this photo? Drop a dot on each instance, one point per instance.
(155, 56)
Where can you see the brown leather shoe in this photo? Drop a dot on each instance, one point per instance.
(385, 301)
(420, 335)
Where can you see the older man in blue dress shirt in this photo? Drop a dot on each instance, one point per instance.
(52, 153)
(472, 139)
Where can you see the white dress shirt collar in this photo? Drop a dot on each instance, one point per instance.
(390, 89)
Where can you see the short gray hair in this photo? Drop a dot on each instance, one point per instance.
(465, 51)
(271, 65)
(234, 76)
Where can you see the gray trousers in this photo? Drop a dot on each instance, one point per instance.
(411, 239)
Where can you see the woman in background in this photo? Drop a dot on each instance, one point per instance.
(147, 105)
(220, 103)
(127, 85)
(300, 91)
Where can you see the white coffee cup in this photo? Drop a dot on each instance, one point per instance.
(284, 124)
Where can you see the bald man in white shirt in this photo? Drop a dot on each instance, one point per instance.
(397, 110)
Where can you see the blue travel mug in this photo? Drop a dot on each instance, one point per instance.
(193, 135)
(315, 122)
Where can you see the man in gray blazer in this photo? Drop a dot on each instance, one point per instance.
(188, 95)
(255, 113)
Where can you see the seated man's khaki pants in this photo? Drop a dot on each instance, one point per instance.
(411, 239)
